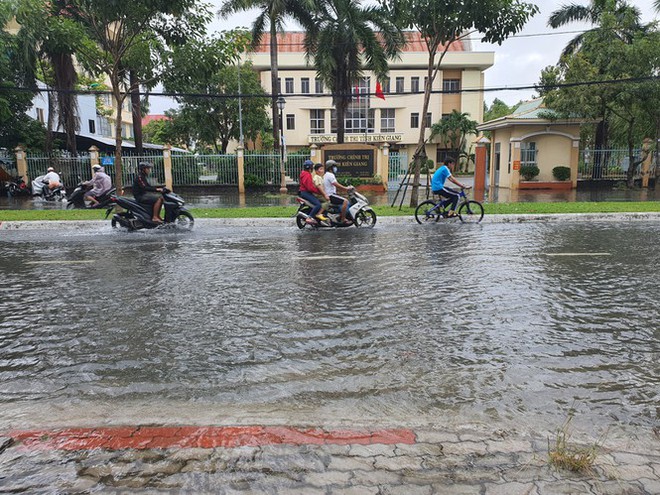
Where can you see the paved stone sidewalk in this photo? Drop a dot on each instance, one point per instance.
(286, 460)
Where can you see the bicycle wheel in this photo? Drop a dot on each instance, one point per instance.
(471, 212)
(427, 212)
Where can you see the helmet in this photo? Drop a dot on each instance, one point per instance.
(96, 168)
(308, 164)
(50, 169)
(143, 165)
(331, 163)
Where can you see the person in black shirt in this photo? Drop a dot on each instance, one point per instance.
(147, 194)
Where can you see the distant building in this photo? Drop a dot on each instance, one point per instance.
(395, 120)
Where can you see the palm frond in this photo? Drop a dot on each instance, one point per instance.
(569, 13)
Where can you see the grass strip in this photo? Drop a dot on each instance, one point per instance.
(385, 211)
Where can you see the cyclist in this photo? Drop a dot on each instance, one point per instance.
(331, 185)
(438, 185)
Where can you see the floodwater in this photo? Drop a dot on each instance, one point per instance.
(398, 325)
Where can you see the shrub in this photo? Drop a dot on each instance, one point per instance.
(528, 172)
(561, 173)
(252, 180)
(427, 167)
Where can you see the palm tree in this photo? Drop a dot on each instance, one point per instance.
(626, 16)
(273, 12)
(349, 39)
(453, 131)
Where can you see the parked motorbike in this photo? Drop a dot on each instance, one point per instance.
(40, 188)
(361, 213)
(138, 216)
(77, 198)
(17, 186)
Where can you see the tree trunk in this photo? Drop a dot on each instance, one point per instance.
(65, 79)
(118, 138)
(630, 174)
(420, 152)
(136, 108)
(51, 120)
(273, 84)
(342, 104)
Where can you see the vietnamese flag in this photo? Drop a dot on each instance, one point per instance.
(379, 91)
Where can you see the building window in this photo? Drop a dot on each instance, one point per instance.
(333, 121)
(414, 120)
(288, 85)
(385, 85)
(445, 116)
(104, 127)
(528, 153)
(399, 84)
(317, 121)
(40, 115)
(429, 120)
(414, 84)
(318, 83)
(304, 85)
(451, 85)
(92, 126)
(290, 122)
(360, 117)
(279, 85)
(126, 131)
(443, 154)
(387, 120)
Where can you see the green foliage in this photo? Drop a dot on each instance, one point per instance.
(561, 173)
(264, 168)
(427, 167)
(252, 180)
(359, 181)
(452, 132)
(529, 172)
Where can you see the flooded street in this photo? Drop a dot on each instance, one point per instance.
(399, 325)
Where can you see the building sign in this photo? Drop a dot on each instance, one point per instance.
(108, 160)
(354, 163)
(516, 165)
(355, 138)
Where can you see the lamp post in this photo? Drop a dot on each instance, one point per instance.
(280, 105)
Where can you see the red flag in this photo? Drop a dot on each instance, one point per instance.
(357, 91)
(379, 91)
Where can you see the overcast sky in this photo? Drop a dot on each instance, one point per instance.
(518, 61)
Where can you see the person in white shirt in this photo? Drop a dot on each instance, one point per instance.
(53, 178)
(331, 185)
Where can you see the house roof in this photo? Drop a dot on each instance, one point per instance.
(529, 112)
(293, 42)
(150, 118)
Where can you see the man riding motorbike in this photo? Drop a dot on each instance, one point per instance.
(53, 178)
(331, 185)
(145, 193)
(308, 191)
(101, 183)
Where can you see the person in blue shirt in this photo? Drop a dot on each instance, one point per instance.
(438, 185)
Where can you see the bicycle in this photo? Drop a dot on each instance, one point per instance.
(469, 210)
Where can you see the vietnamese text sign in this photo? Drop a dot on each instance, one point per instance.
(354, 163)
(355, 138)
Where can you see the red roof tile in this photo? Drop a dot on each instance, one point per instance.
(293, 41)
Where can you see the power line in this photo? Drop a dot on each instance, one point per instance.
(333, 95)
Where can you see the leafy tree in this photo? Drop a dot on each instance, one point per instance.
(201, 67)
(497, 110)
(273, 12)
(124, 35)
(453, 131)
(345, 43)
(16, 75)
(442, 23)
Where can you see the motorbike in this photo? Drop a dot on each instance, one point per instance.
(360, 212)
(77, 198)
(40, 188)
(17, 186)
(138, 216)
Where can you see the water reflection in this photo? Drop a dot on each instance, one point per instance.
(402, 324)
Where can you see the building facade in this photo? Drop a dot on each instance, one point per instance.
(309, 116)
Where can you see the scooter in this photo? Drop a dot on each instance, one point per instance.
(359, 209)
(17, 186)
(77, 198)
(138, 216)
(40, 188)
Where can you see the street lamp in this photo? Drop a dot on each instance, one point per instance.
(280, 105)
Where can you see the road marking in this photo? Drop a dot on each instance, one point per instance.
(58, 262)
(327, 257)
(578, 254)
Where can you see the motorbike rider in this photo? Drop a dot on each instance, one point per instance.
(52, 177)
(331, 185)
(145, 193)
(308, 191)
(101, 183)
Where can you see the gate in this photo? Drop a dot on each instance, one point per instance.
(398, 168)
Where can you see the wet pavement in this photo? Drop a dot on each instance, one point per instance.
(428, 360)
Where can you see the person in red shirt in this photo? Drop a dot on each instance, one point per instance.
(308, 190)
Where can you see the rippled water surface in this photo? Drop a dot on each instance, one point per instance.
(400, 324)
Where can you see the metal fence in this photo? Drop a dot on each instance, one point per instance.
(8, 164)
(610, 164)
(264, 168)
(71, 169)
(201, 170)
(130, 167)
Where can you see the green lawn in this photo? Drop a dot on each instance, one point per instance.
(385, 211)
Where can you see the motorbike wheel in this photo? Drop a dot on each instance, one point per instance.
(184, 220)
(365, 218)
(70, 205)
(300, 222)
(12, 191)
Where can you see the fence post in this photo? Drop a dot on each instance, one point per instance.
(575, 162)
(93, 157)
(167, 165)
(646, 164)
(240, 161)
(480, 159)
(515, 165)
(21, 163)
(312, 152)
(384, 168)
